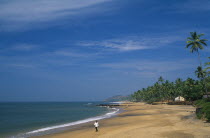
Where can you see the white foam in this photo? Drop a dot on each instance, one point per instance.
(107, 115)
(118, 102)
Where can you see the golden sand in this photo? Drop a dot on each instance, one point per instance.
(144, 121)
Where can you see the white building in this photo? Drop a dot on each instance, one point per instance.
(179, 98)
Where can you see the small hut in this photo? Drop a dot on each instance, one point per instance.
(179, 99)
(207, 95)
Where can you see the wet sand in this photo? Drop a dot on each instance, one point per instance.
(144, 121)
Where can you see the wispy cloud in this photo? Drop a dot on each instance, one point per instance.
(21, 65)
(20, 13)
(152, 68)
(23, 47)
(70, 53)
(57, 58)
(132, 43)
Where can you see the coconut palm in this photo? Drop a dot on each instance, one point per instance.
(200, 73)
(179, 86)
(160, 80)
(196, 44)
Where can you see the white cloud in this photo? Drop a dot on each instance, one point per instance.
(20, 13)
(132, 43)
(122, 45)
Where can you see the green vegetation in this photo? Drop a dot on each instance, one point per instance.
(201, 74)
(190, 89)
(208, 67)
(162, 90)
(196, 44)
(204, 112)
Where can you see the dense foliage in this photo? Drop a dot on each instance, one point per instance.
(163, 90)
(204, 105)
(207, 69)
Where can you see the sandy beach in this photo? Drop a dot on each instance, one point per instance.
(141, 120)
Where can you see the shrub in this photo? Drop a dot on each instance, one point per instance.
(199, 115)
(204, 105)
(201, 102)
(206, 110)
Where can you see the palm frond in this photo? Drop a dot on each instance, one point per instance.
(195, 43)
(200, 35)
(199, 45)
(192, 50)
(190, 38)
(189, 45)
(203, 43)
(193, 34)
(189, 42)
(203, 40)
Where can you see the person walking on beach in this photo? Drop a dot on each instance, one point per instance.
(96, 124)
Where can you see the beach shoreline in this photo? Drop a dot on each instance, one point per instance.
(31, 119)
(62, 127)
(144, 120)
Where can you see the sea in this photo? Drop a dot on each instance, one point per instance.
(26, 119)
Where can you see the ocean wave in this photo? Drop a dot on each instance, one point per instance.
(42, 130)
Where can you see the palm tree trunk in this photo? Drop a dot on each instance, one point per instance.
(199, 58)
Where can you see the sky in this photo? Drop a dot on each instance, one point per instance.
(89, 50)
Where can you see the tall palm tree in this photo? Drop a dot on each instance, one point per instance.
(196, 44)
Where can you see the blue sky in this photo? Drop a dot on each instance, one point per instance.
(76, 50)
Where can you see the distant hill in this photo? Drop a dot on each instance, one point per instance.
(117, 98)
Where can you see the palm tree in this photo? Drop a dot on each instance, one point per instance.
(179, 86)
(195, 43)
(189, 85)
(160, 80)
(200, 73)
